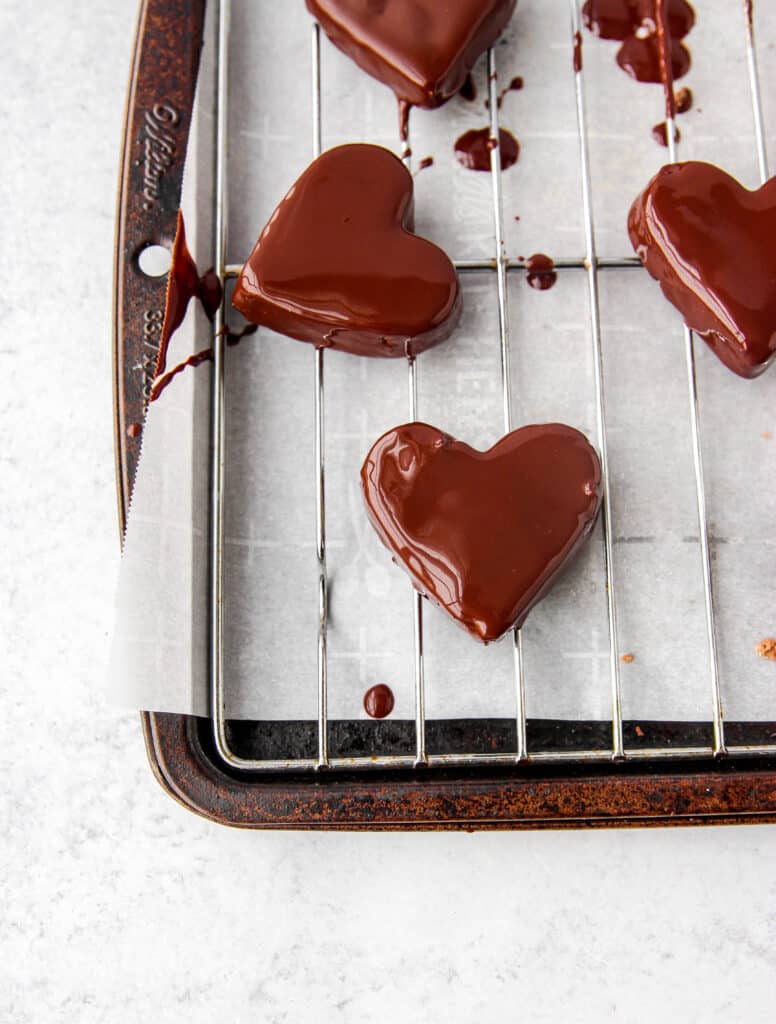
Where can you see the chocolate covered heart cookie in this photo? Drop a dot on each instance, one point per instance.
(338, 266)
(711, 244)
(422, 49)
(482, 534)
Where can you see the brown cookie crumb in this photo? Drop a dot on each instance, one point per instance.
(628, 658)
(683, 99)
(767, 649)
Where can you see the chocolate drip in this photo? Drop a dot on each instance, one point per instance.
(664, 54)
(683, 99)
(540, 271)
(210, 292)
(184, 284)
(404, 120)
(474, 147)
(660, 133)
(634, 23)
(515, 85)
(378, 701)
(639, 58)
(162, 382)
(468, 90)
(234, 337)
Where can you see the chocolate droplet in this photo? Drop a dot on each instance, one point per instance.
(378, 701)
(473, 149)
(540, 271)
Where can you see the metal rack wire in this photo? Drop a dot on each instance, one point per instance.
(501, 265)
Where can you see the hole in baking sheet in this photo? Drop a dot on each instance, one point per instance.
(154, 260)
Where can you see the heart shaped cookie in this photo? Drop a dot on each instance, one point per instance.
(710, 243)
(422, 49)
(337, 265)
(482, 534)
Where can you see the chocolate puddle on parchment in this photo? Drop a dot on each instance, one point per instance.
(379, 701)
(473, 149)
(515, 85)
(633, 23)
(540, 272)
(650, 33)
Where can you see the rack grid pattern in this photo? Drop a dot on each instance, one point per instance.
(500, 265)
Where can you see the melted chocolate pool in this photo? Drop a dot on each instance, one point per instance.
(540, 272)
(633, 23)
(683, 99)
(515, 85)
(378, 701)
(660, 133)
(473, 149)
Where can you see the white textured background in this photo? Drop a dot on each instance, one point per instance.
(117, 905)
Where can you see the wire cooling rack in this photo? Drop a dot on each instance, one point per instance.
(499, 265)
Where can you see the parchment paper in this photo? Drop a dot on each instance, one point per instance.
(159, 648)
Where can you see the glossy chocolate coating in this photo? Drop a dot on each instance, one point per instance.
(683, 99)
(184, 283)
(660, 134)
(618, 19)
(482, 534)
(422, 49)
(632, 23)
(709, 242)
(378, 701)
(338, 266)
(473, 149)
(540, 271)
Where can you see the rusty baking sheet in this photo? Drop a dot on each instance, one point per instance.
(555, 793)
